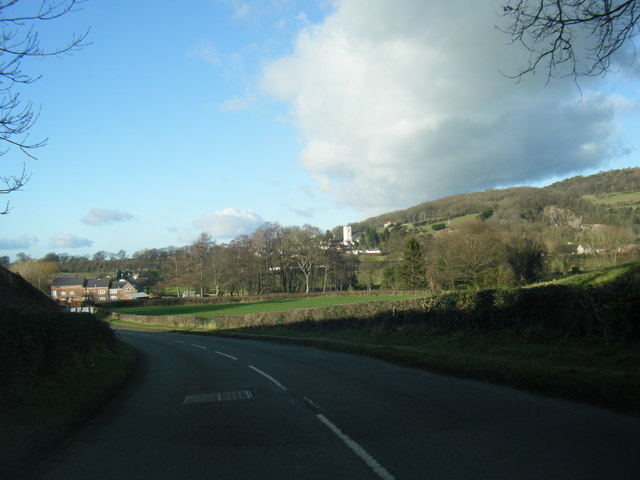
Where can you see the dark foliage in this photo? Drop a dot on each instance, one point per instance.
(37, 339)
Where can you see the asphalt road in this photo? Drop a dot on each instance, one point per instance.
(207, 407)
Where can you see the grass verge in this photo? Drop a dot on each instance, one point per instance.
(53, 406)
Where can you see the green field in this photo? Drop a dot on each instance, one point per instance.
(629, 199)
(208, 311)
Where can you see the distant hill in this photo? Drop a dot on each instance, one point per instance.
(528, 203)
(16, 291)
(626, 180)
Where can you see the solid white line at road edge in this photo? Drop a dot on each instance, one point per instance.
(269, 377)
(226, 355)
(359, 451)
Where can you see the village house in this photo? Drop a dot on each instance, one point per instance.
(75, 290)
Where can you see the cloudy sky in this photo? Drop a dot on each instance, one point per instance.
(219, 115)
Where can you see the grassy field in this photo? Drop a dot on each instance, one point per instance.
(631, 199)
(208, 311)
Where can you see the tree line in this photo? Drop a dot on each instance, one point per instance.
(495, 249)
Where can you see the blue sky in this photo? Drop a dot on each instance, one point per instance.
(218, 115)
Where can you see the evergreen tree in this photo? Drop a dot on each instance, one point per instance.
(412, 267)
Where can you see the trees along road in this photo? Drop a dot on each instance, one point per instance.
(207, 407)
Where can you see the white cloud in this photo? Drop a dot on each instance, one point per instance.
(62, 240)
(23, 242)
(101, 216)
(229, 223)
(400, 105)
(207, 52)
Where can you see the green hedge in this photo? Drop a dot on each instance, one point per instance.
(38, 342)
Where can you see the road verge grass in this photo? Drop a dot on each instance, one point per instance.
(53, 405)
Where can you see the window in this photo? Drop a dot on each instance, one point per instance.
(63, 293)
(113, 297)
(102, 291)
(103, 299)
(72, 293)
(127, 289)
(113, 290)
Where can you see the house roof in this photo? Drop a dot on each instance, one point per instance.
(67, 282)
(98, 283)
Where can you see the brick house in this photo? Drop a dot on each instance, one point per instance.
(74, 290)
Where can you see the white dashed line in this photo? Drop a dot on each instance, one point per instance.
(358, 450)
(267, 376)
(179, 341)
(226, 355)
(198, 346)
(312, 403)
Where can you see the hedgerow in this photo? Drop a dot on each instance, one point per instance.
(42, 342)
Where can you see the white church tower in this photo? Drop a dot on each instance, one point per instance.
(346, 235)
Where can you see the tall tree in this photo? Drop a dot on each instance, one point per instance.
(477, 250)
(371, 238)
(412, 268)
(201, 249)
(306, 250)
(19, 41)
(219, 265)
(525, 256)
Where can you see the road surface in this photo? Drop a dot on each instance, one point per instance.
(206, 407)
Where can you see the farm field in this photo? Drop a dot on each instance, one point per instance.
(631, 199)
(208, 311)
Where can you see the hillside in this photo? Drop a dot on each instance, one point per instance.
(578, 194)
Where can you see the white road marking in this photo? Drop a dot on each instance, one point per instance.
(311, 402)
(199, 346)
(179, 341)
(217, 397)
(226, 355)
(358, 450)
(269, 377)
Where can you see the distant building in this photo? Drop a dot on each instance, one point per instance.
(347, 238)
(75, 290)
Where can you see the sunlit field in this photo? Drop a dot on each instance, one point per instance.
(214, 310)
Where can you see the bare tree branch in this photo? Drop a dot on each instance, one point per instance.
(12, 184)
(19, 41)
(572, 38)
